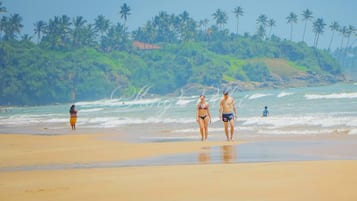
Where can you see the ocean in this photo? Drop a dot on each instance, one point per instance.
(293, 111)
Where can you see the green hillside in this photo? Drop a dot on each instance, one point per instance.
(32, 75)
(70, 59)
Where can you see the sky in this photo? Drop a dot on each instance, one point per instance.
(342, 11)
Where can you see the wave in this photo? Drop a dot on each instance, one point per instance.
(321, 121)
(183, 102)
(91, 110)
(352, 132)
(256, 96)
(142, 101)
(117, 102)
(331, 96)
(295, 132)
(283, 94)
(104, 102)
(112, 122)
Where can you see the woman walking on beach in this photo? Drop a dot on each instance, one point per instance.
(73, 117)
(203, 117)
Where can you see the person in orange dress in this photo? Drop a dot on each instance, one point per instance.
(73, 117)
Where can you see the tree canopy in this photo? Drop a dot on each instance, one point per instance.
(72, 59)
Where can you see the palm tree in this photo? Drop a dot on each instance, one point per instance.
(262, 22)
(116, 39)
(261, 31)
(124, 12)
(205, 23)
(220, 17)
(201, 24)
(292, 19)
(52, 34)
(343, 31)
(306, 16)
(187, 26)
(238, 11)
(3, 20)
(102, 25)
(65, 28)
(58, 32)
(11, 26)
(334, 27)
(3, 24)
(78, 31)
(39, 29)
(185, 16)
(26, 37)
(318, 28)
(271, 24)
(350, 30)
(88, 36)
(162, 26)
(2, 8)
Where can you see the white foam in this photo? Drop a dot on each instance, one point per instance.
(331, 96)
(104, 102)
(283, 94)
(256, 96)
(183, 102)
(91, 110)
(195, 130)
(295, 132)
(320, 120)
(142, 101)
(352, 132)
(117, 102)
(110, 123)
(56, 120)
(188, 130)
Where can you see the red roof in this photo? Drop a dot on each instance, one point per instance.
(145, 46)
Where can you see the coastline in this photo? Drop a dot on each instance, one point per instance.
(227, 179)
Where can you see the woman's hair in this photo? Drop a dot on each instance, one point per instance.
(203, 96)
(72, 108)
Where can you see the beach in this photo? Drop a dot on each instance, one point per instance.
(37, 167)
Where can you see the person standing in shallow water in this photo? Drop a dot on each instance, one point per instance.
(227, 113)
(73, 117)
(265, 112)
(203, 117)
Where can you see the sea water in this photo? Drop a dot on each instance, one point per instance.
(292, 111)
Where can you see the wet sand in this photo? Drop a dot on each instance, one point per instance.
(286, 180)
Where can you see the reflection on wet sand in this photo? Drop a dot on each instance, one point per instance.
(204, 156)
(228, 153)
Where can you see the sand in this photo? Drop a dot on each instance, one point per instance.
(301, 180)
(26, 150)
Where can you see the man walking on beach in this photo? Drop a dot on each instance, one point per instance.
(227, 113)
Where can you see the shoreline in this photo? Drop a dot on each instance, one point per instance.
(112, 149)
(214, 172)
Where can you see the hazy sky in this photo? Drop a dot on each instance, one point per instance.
(342, 11)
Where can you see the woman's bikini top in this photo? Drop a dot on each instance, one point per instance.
(203, 107)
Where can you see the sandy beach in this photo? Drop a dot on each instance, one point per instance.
(285, 180)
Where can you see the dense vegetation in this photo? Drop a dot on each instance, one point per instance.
(73, 60)
(347, 57)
